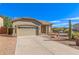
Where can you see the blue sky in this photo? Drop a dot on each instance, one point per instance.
(56, 13)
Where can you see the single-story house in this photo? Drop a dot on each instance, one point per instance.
(30, 26)
(3, 29)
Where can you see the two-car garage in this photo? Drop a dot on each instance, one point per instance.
(26, 30)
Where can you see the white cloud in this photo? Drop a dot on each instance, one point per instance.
(76, 18)
(65, 23)
(55, 21)
(59, 21)
(62, 23)
(14, 18)
(75, 22)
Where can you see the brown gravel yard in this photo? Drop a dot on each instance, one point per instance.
(70, 43)
(7, 45)
(63, 39)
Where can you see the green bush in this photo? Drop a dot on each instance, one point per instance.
(66, 30)
(75, 34)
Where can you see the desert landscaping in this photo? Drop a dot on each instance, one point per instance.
(7, 44)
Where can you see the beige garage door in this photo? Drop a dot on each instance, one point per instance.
(26, 31)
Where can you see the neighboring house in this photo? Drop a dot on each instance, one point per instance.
(1, 21)
(2, 28)
(29, 26)
(76, 27)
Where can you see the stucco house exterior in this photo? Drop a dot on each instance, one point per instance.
(1, 21)
(30, 26)
(76, 27)
(2, 28)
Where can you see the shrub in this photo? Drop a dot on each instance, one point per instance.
(75, 34)
(3, 30)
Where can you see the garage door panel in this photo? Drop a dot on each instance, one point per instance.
(26, 31)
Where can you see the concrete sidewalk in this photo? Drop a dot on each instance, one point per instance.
(38, 45)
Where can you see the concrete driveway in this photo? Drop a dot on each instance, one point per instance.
(42, 45)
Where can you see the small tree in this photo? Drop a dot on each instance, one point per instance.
(7, 22)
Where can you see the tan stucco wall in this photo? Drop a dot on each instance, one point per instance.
(1, 21)
(50, 29)
(39, 29)
(24, 31)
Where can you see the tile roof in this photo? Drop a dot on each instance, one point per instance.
(42, 22)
